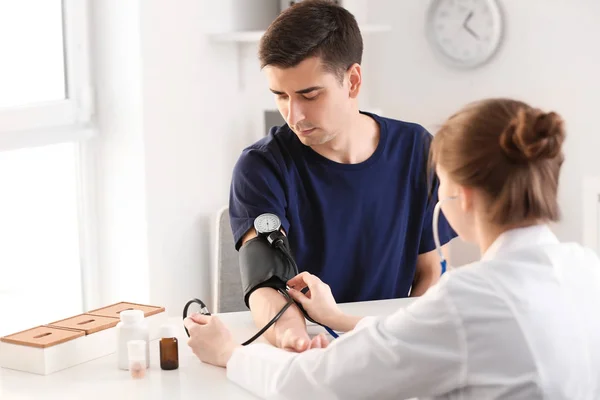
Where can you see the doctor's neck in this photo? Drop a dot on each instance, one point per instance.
(488, 232)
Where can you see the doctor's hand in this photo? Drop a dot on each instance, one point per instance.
(209, 339)
(318, 301)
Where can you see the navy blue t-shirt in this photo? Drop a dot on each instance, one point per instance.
(358, 227)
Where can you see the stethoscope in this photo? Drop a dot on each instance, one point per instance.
(204, 311)
(436, 235)
(204, 308)
(278, 244)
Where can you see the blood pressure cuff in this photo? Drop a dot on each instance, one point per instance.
(262, 265)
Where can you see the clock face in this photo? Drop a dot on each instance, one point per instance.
(267, 223)
(465, 33)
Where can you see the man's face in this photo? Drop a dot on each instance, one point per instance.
(313, 102)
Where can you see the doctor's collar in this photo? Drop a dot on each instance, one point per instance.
(517, 238)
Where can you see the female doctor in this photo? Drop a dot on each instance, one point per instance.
(522, 323)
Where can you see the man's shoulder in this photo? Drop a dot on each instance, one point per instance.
(404, 133)
(405, 141)
(400, 126)
(272, 148)
(277, 137)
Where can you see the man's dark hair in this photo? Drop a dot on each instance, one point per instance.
(312, 28)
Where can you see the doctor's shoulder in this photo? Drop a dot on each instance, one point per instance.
(459, 292)
(586, 253)
(506, 271)
(472, 285)
(577, 256)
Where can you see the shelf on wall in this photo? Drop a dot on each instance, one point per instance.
(254, 36)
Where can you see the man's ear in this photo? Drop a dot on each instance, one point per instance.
(354, 74)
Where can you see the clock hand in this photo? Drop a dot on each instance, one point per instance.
(468, 19)
(469, 29)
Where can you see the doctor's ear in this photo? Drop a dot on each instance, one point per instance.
(466, 198)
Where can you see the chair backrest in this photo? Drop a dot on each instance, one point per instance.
(227, 279)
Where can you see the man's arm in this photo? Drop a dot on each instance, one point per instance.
(396, 356)
(265, 303)
(257, 186)
(428, 271)
(428, 268)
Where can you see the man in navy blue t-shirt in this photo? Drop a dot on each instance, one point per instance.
(349, 187)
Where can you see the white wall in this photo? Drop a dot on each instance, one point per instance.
(174, 113)
(550, 57)
(194, 125)
(116, 164)
(191, 105)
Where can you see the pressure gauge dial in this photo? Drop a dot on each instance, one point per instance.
(267, 223)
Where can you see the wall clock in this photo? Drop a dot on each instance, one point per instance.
(465, 33)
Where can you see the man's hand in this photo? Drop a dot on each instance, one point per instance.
(291, 341)
(209, 339)
(289, 332)
(213, 344)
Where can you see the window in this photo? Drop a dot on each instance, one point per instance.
(44, 112)
(39, 235)
(31, 77)
(44, 70)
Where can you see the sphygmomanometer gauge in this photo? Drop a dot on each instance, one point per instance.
(267, 223)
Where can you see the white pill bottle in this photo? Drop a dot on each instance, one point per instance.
(132, 327)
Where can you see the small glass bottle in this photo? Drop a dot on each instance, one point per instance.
(169, 351)
(136, 351)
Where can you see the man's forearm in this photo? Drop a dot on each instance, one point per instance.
(344, 322)
(422, 283)
(428, 271)
(265, 303)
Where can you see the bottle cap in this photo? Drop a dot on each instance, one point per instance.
(132, 316)
(168, 331)
(136, 349)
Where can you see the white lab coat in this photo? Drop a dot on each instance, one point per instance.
(522, 323)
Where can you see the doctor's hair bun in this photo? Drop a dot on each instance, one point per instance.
(533, 135)
(510, 151)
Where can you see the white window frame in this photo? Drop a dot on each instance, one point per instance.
(62, 120)
(69, 120)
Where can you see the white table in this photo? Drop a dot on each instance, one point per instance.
(101, 379)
